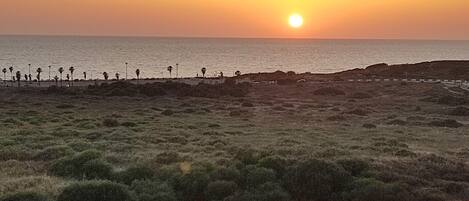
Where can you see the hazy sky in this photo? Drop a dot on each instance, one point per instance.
(415, 19)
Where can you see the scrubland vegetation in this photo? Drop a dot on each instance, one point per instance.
(294, 142)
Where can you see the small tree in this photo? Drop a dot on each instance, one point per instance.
(71, 69)
(39, 71)
(170, 69)
(56, 78)
(117, 76)
(84, 75)
(106, 76)
(204, 70)
(238, 73)
(4, 70)
(137, 72)
(18, 77)
(11, 72)
(61, 70)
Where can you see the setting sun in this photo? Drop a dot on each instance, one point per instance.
(296, 21)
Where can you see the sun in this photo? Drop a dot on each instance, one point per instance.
(296, 21)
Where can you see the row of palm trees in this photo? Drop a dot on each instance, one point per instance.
(61, 70)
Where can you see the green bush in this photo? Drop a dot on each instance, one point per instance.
(53, 153)
(247, 157)
(85, 165)
(219, 190)
(354, 166)
(135, 173)
(372, 190)
(146, 190)
(265, 192)
(253, 176)
(168, 174)
(192, 186)
(226, 174)
(316, 180)
(275, 163)
(110, 122)
(24, 196)
(95, 191)
(97, 169)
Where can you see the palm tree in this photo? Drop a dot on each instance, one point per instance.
(39, 71)
(4, 70)
(117, 76)
(11, 72)
(126, 65)
(238, 73)
(56, 78)
(49, 71)
(106, 76)
(170, 69)
(84, 75)
(204, 70)
(137, 72)
(61, 70)
(29, 71)
(71, 69)
(18, 77)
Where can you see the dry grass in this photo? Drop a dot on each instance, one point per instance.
(286, 121)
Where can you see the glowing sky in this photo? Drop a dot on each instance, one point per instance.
(419, 19)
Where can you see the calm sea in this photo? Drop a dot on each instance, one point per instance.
(153, 55)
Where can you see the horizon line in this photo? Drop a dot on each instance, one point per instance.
(223, 37)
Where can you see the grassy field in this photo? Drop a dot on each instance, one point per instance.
(412, 136)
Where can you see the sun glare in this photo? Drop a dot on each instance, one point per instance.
(296, 21)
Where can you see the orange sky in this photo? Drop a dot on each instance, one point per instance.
(413, 19)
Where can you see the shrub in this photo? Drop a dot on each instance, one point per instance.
(253, 176)
(265, 192)
(53, 153)
(167, 113)
(336, 118)
(460, 111)
(452, 101)
(24, 196)
(275, 163)
(129, 124)
(65, 106)
(219, 190)
(226, 174)
(397, 122)
(247, 156)
(96, 169)
(110, 122)
(135, 173)
(354, 166)
(359, 112)
(372, 190)
(146, 190)
(316, 180)
(360, 95)
(95, 191)
(369, 126)
(85, 165)
(247, 104)
(329, 91)
(192, 186)
(447, 123)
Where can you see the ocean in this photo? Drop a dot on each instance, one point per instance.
(152, 56)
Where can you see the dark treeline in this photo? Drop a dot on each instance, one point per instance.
(156, 89)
